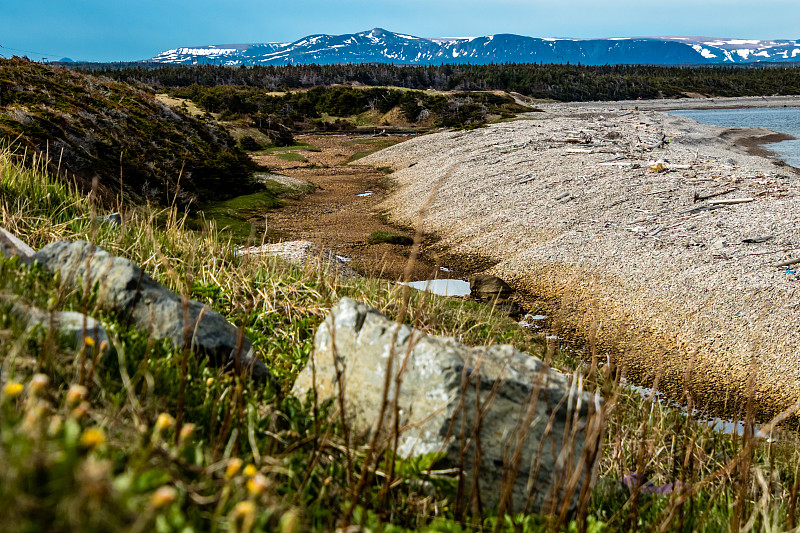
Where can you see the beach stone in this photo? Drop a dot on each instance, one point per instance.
(488, 287)
(12, 246)
(125, 290)
(530, 421)
(115, 219)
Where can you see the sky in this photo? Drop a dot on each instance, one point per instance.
(112, 30)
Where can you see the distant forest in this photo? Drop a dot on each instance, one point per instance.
(556, 82)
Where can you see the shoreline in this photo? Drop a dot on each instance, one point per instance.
(625, 262)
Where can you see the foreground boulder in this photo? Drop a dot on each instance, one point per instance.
(137, 299)
(523, 436)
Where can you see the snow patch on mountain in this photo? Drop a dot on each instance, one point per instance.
(382, 46)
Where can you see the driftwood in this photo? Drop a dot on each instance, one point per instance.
(700, 209)
(731, 201)
(700, 198)
(562, 196)
(788, 262)
(758, 239)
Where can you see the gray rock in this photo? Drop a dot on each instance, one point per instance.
(488, 287)
(73, 328)
(526, 409)
(11, 246)
(115, 219)
(136, 298)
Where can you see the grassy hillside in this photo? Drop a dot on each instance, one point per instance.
(87, 445)
(95, 129)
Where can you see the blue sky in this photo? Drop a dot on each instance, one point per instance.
(112, 30)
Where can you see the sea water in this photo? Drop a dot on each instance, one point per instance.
(781, 119)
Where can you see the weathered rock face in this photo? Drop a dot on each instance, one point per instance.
(125, 290)
(497, 412)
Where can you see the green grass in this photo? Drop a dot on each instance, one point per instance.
(232, 216)
(375, 145)
(290, 156)
(106, 452)
(380, 237)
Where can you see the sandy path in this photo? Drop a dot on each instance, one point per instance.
(565, 204)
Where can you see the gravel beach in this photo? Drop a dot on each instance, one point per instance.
(651, 237)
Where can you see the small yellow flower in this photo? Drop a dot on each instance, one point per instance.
(164, 421)
(80, 411)
(88, 341)
(39, 383)
(13, 389)
(75, 394)
(163, 496)
(186, 433)
(209, 382)
(234, 465)
(250, 471)
(244, 511)
(92, 437)
(257, 484)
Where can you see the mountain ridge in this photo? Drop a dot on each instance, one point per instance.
(382, 46)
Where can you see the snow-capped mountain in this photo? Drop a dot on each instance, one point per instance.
(381, 46)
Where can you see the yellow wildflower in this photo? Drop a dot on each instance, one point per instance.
(243, 516)
(209, 382)
(13, 389)
(234, 465)
(163, 496)
(75, 394)
(250, 471)
(88, 341)
(186, 433)
(80, 411)
(164, 421)
(257, 484)
(92, 437)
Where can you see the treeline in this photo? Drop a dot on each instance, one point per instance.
(302, 110)
(557, 82)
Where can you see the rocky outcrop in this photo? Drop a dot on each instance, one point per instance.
(523, 436)
(135, 298)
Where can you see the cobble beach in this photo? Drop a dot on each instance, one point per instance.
(650, 239)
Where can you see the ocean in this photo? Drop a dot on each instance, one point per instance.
(781, 119)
